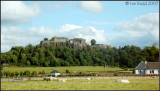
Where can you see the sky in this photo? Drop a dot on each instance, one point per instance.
(114, 23)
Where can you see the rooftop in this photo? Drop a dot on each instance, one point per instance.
(152, 65)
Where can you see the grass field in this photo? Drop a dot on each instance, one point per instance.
(61, 69)
(102, 83)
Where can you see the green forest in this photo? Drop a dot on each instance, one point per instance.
(51, 56)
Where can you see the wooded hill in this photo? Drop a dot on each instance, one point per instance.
(51, 56)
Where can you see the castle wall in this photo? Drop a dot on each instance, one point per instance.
(99, 46)
(77, 43)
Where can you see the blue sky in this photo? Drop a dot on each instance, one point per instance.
(109, 22)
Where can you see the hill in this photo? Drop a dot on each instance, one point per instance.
(53, 56)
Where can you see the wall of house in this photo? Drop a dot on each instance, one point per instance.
(147, 71)
(136, 72)
(139, 71)
(155, 71)
(56, 74)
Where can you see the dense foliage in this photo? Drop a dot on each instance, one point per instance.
(127, 56)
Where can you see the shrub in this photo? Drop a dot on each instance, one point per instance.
(101, 74)
(21, 73)
(67, 71)
(43, 72)
(34, 73)
(16, 74)
(2, 74)
(26, 73)
(12, 74)
(7, 74)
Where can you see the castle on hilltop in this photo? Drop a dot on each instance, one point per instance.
(77, 43)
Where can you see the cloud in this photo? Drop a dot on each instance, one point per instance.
(58, 5)
(91, 6)
(15, 36)
(141, 31)
(100, 23)
(16, 12)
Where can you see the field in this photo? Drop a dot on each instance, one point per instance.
(61, 69)
(99, 83)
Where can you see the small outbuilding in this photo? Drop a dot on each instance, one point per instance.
(5, 64)
(55, 73)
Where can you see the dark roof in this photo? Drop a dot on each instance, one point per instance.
(55, 71)
(141, 66)
(152, 65)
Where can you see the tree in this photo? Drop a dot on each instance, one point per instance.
(28, 63)
(52, 39)
(34, 61)
(93, 42)
(45, 39)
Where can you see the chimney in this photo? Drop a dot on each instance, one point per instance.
(145, 62)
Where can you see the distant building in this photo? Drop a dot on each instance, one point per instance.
(5, 64)
(147, 68)
(55, 73)
(99, 46)
(77, 43)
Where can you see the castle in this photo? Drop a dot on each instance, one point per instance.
(77, 43)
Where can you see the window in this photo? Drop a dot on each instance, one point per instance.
(151, 71)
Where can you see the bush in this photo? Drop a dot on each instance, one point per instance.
(7, 74)
(21, 73)
(43, 72)
(34, 73)
(67, 71)
(12, 74)
(16, 74)
(100, 74)
(27, 73)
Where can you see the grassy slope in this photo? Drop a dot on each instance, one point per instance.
(107, 83)
(61, 69)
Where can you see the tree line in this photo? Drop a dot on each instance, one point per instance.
(51, 56)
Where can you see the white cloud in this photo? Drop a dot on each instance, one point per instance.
(91, 6)
(101, 23)
(16, 12)
(141, 31)
(15, 36)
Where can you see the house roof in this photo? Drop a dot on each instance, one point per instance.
(152, 65)
(141, 66)
(148, 65)
(55, 71)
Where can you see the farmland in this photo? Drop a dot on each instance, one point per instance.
(98, 83)
(62, 69)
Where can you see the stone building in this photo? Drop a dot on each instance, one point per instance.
(77, 43)
(99, 46)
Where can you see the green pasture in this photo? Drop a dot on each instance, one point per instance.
(62, 69)
(103, 83)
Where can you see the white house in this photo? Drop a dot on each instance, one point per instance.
(147, 68)
(55, 73)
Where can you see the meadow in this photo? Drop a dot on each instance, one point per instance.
(99, 83)
(62, 69)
